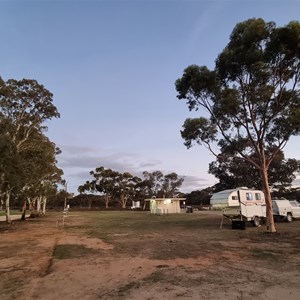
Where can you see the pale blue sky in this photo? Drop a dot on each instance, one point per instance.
(111, 66)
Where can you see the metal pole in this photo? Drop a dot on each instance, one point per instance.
(66, 188)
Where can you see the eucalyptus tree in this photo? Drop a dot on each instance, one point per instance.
(199, 197)
(232, 171)
(171, 184)
(88, 186)
(156, 184)
(112, 185)
(10, 170)
(27, 105)
(40, 171)
(125, 187)
(152, 183)
(251, 99)
(104, 182)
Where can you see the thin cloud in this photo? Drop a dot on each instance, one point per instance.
(193, 183)
(88, 157)
(77, 163)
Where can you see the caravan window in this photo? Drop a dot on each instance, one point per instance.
(257, 196)
(235, 198)
(249, 196)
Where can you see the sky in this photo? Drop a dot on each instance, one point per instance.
(112, 65)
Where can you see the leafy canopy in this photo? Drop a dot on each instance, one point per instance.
(233, 171)
(252, 96)
(28, 161)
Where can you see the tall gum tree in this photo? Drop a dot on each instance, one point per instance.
(27, 105)
(104, 182)
(251, 98)
(40, 171)
(159, 185)
(10, 170)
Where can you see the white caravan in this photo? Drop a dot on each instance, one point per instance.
(241, 204)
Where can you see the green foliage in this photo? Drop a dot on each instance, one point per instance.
(251, 96)
(28, 164)
(10, 168)
(291, 194)
(233, 172)
(199, 130)
(159, 185)
(124, 186)
(199, 197)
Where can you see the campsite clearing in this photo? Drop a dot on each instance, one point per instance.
(136, 255)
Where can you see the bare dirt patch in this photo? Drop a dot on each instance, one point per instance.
(134, 255)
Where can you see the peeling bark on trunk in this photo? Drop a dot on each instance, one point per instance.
(266, 189)
(44, 202)
(38, 205)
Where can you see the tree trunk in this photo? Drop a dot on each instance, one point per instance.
(38, 205)
(266, 189)
(7, 210)
(44, 205)
(107, 199)
(23, 217)
(90, 201)
(31, 202)
(123, 201)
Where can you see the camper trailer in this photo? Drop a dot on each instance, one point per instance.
(241, 204)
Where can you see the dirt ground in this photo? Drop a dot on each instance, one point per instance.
(198, 261)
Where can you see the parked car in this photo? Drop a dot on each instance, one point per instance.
(284, 209)
(295, 209)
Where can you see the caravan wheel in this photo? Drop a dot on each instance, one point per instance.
(289, 217)
(256, 221)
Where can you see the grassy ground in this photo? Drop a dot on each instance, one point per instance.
(136, 255)
(12, 212)
(179, 235)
